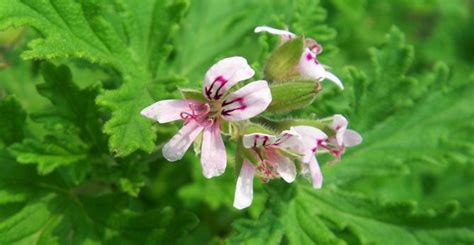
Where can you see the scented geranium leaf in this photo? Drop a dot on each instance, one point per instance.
(12, 120)
(50, 213)
(62, 148)
(75, 106)
(390, 88)
(432, 132)
(332, 216)
(88, 30)
(309, 19)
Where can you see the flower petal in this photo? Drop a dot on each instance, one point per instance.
(258, 139)
(310, 67)
(287, 138)
(244, 189)
(165, 111)
(247, 102)
(213, 155)
(285, 35)
(352, 138)
(179, 144)
(225, 74)
(339, 124)
(316, 175)
(285, 167)
(309, 142)
(331, 77)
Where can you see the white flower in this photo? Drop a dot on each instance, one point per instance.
(198, 116)
(272, 163)
(311, 140)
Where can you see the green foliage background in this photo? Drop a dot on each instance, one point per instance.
(79, 165)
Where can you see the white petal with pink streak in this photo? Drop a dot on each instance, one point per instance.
(310, 67)
(257, 140)
(310, 136)
(225, 74)
(165, 111)
(247, 102)
(287, 138)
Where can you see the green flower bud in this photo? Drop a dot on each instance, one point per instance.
(281, 65)
(287, 97)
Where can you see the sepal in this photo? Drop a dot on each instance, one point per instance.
(192, 94)
(281, 65)
(292, 95)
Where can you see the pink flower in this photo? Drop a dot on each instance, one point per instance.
(272, 163)
(308, 65)
(206, 116)
(343, 138)
(310, 142)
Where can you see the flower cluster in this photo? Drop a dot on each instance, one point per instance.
(266, 153)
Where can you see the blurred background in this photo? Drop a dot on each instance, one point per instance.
(408, 70)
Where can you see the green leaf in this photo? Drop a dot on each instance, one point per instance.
(12, 121)
(50, 213)
(73, 105)
(390, 89)
(331, 216)
(81, 30)
(436, 121)
(62, 148)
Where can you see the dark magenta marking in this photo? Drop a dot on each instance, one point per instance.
(238, 100)
(208, 90)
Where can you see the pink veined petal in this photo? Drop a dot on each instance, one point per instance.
(247, 102)
(258, 139)
(213, 154)
(287, 138)
(339, 124)
(165, 111)
(309, 141)
(352, 138)
(244, 189)
(285, 167)
(316, 175)
(285, 35)
(225, 74)
(179, 144)
(310, 67)
(331, 77)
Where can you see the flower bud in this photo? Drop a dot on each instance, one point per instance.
(281, 65)
(287, 97)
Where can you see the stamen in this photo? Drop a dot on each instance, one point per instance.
(335, 150)
(266, 170)
(199, 113)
